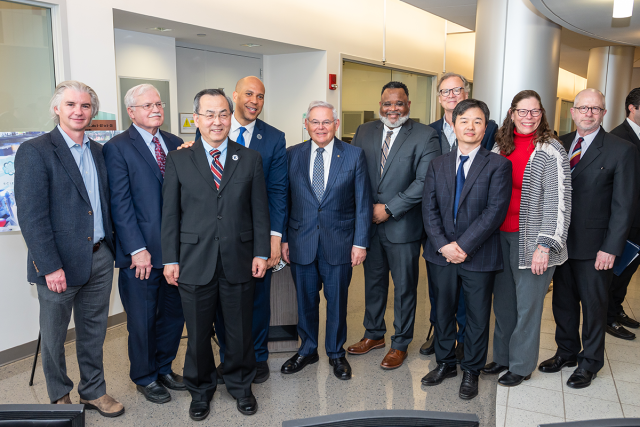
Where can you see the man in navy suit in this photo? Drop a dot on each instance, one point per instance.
(462, 211)
(329, 220)
(135, 161)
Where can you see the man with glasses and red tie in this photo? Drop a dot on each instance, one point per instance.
(135, 162)
(604, 196)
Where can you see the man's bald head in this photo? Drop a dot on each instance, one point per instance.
(591, 94)
(249, 99)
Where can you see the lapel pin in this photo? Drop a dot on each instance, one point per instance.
(234, 157)
(338, 155)
(259, 136)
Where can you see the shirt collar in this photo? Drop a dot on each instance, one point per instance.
(69, 141)
(587, 139)
(147, 136)
(634, 126)
(328, 148)
(472, 155)
(222, 148)
(235, 124)
(394, 130)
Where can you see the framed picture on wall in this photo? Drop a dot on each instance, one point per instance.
(127, 83)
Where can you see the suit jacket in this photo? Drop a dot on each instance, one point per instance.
(200, 222)
(604, 196)
(625, 131)
(54, 209)
(342, 219)
(487, 142)
(482, 208)
(135, 182)
(401, 184)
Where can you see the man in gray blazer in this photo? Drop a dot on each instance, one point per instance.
(62, 195)
(398, 152)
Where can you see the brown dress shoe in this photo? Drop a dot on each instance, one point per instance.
(106, 405)
(365, 345)
(64, 400)
(394, 359)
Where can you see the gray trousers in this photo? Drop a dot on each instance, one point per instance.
(518, 300)
(90, 304)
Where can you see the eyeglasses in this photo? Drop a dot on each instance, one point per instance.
(456, 91)
(149, 107)
(212, 116)
(595, 110)
(316, 123)
(523, 113)
(398, 104)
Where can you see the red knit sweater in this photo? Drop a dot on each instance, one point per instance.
(519, 159)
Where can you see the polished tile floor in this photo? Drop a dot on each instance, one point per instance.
(615, 393)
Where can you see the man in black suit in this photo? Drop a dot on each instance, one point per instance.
(215, 242)
(604, 197)
(462, 211)
(617, 319)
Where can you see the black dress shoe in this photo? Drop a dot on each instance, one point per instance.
(428, 347)
(493, 368)
(468, 386)
(627, 321)
(297, 362)
(580, 378)
(618, 331)
(155, 392)
(459, 352)
(219, 372)
(172, 381)
(511, 380)
(198, 410)
(439, 374)
(341, 368)
(247, 405)
(556, 363)
(262, 372)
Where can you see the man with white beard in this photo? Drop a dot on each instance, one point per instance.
(398, 152)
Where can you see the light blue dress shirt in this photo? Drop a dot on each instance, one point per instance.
(84, 160)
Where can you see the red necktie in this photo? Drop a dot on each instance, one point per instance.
(216, 167)
(575, 155)
(161, 158)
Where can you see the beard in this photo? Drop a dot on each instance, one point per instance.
(401, 120)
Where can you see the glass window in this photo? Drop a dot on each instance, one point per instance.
(566, 123)
(27, 78)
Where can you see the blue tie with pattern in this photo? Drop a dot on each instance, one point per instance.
(459, 185)
(318, 174)
(241, 136)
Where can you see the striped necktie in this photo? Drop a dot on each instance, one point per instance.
(575, 155)
(216, 167)
(385, 151)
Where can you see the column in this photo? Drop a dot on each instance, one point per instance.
(517, 48)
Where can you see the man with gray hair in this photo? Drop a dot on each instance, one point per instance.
(62, 195)
(136, 161)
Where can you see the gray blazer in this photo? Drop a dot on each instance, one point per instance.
(401, 184)
(54, 210)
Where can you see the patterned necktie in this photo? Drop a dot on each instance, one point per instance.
(318, 174)
(459, 185)
(577, 152)
(161, 157)
(216, 167)
(385, 151)
(241, 136)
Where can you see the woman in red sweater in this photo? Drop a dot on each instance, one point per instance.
(533, 235)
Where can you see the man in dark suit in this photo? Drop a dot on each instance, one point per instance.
(466, 196)
(329, 219)
(62, 196)
(604, 198)
(136, 162)
(398, 152)
(215, 242)
(452, 88)
(617, 319)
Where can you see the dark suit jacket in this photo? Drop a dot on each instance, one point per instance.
(604, 196)
(54, 209)
(481, 210)
(198, 221)
(487, 142)
(625, 132)
(135, 182)
(402, 181)
(342, 219)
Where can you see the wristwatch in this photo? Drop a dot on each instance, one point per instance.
(386, 209)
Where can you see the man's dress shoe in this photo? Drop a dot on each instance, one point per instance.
(297, 362)
(262, 372)
(511, 380)
(493, 368)
(468, 386)
(428, 347)
(439, 374)
(627, 321)
(365, 345)
(172, 381)
(580, 378)
(459, 352)
(198, 410)
(155, 392)
(394, 359)
(247, 405)
(341, 368)
(618, 331)
(556, 363)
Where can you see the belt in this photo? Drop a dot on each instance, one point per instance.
(97, 246)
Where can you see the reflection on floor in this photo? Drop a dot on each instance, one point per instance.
(312, 392)
(615, 393)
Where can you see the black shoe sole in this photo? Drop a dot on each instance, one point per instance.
(310, 362)
(527, 378)
(449, 375)
(564, 365)
(89, 406)
(248, 412)
(199, 418)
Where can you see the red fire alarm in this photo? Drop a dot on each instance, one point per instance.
(333, 81)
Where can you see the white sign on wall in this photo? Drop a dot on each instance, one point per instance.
(187, 125)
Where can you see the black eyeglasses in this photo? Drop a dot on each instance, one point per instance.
(523, 112)
(595, 110)
(456, 91)
(149, 107)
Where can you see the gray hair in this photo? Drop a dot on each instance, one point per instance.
(316, 104)
(56, 99)
(211, 92)
(133, 94)
(604, 104)
(446, 76)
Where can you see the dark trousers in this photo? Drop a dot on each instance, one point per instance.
(576, 282)
(90, 305)
(261, 320)
(154, 321)
(309, 280)
(449, 281)
(200, 304)
(402, 260)
(619, 284)
(461, 311)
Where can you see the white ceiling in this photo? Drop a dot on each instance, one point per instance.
(462, 12)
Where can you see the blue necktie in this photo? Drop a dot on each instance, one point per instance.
(459, 185)
(241, 136)
(318, 175)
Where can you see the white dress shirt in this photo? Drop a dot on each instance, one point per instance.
(235, 131)
(395, 133)
(587, 140)
(326, 156)
(634, 126)
(467, 164)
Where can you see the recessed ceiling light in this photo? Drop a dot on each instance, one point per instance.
(250, 45)
(159, 29)
(201, 35)
(622, 8)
